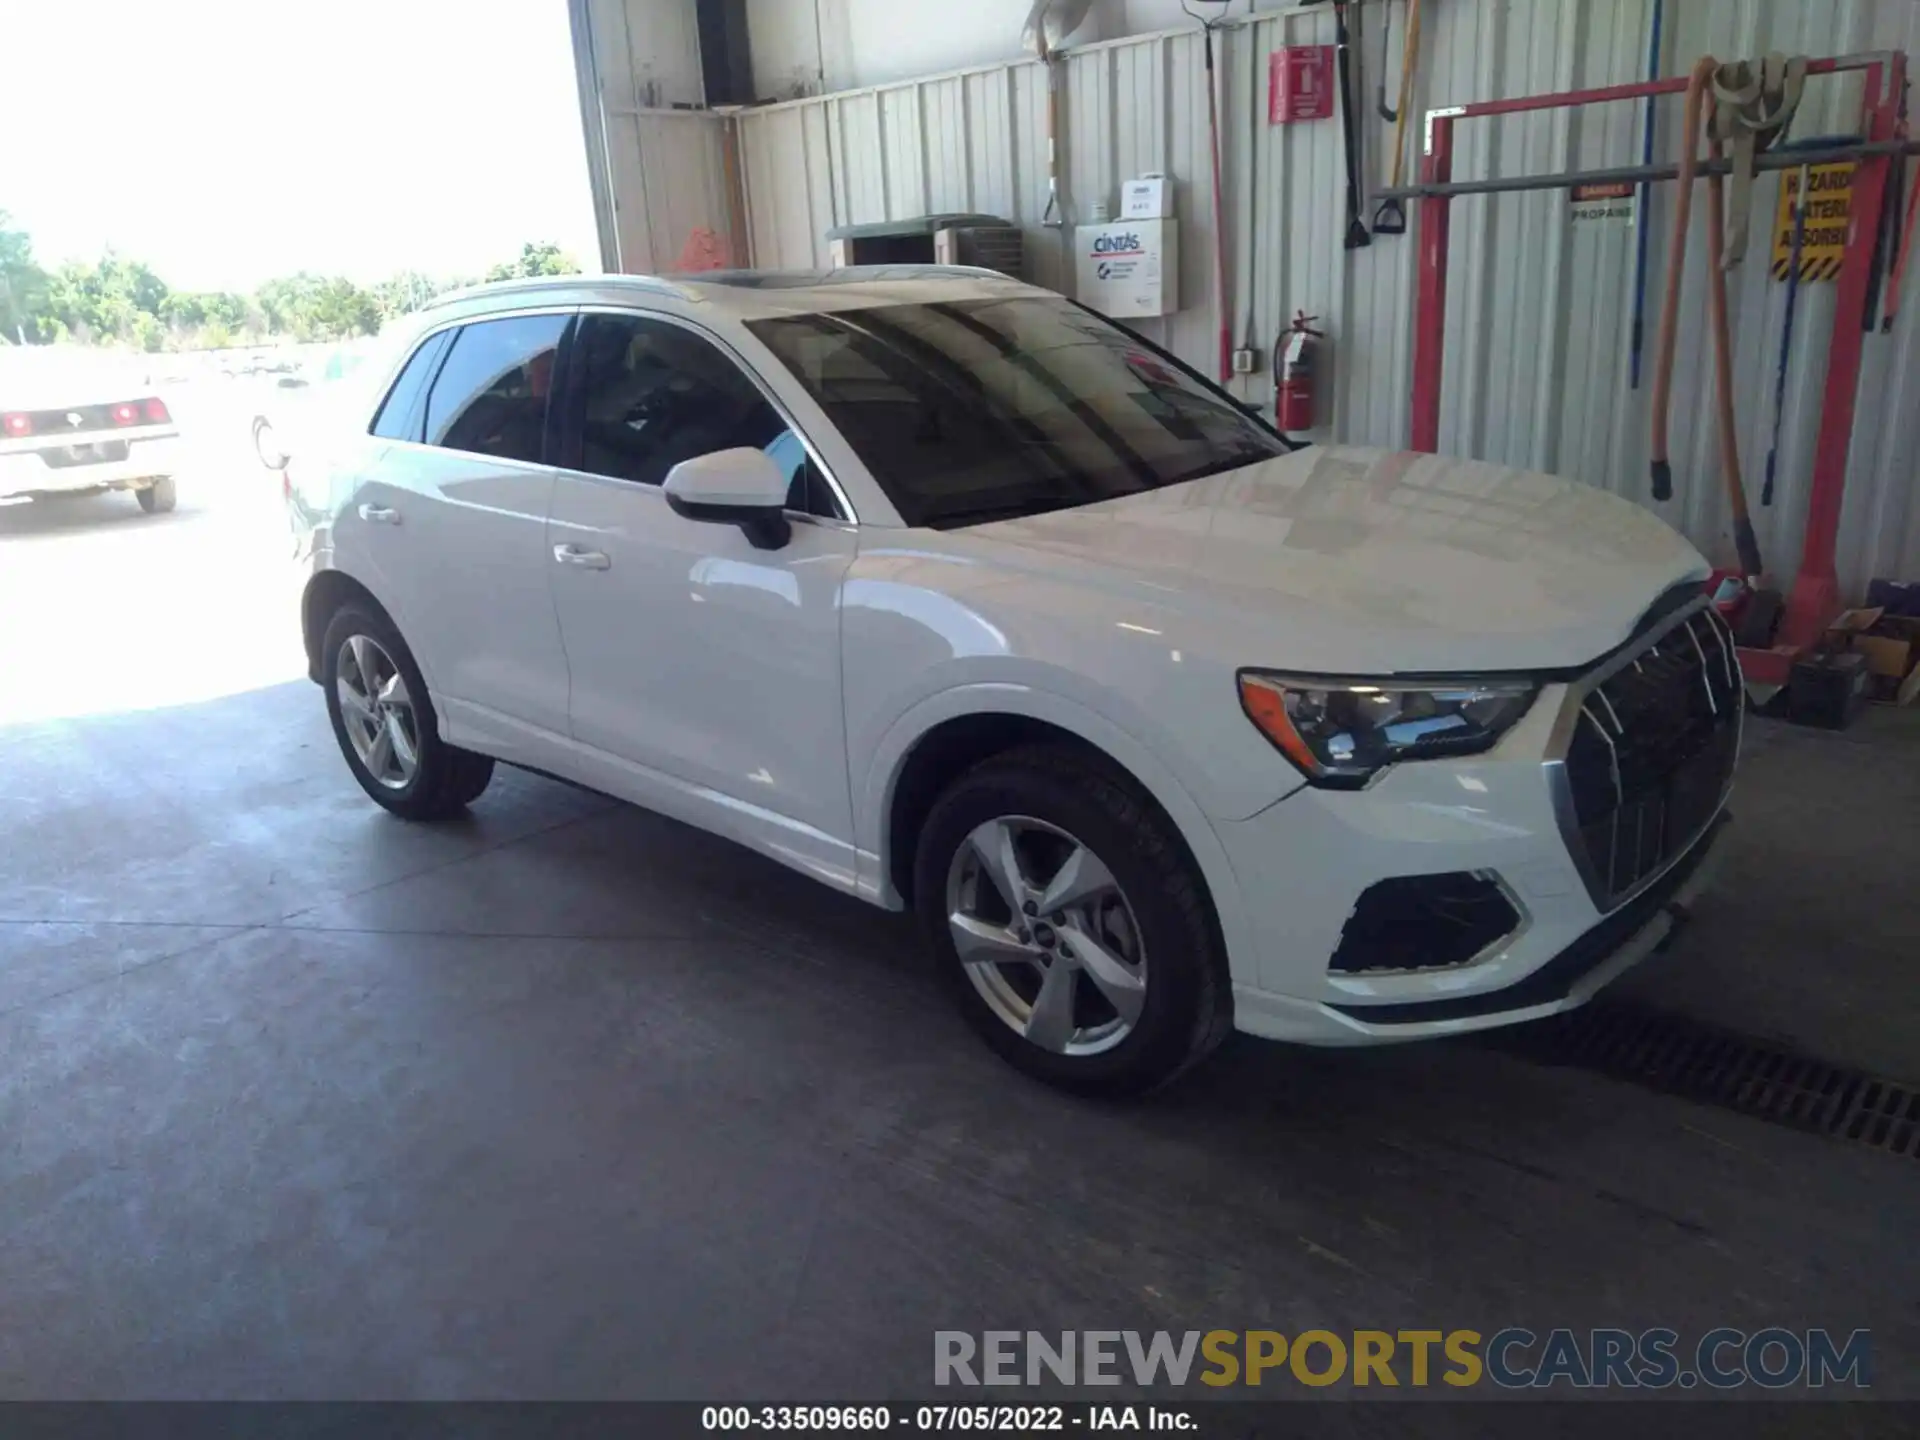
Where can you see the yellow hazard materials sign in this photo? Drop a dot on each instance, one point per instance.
(1829, 206)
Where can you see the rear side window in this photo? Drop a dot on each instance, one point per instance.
(399, 415)
(490, 397)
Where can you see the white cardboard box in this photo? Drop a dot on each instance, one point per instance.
(1128, 268)
(1148, 198)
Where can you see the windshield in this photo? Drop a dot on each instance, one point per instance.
(979, 410)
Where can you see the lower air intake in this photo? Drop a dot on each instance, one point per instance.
(1425, 922)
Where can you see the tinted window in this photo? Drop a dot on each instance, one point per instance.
(491, 394)
(979, 410)
(399, 417)
(651, 394)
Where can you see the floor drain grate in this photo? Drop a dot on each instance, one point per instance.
(1682, 1056)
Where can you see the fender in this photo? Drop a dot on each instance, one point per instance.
(325, 564)
(873, 792)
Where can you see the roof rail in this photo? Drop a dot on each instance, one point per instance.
(534, 284)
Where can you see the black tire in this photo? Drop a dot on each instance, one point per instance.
(160, 497)
(448, 778)
(1188, 1008)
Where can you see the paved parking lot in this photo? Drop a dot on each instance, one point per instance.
(107, 608)
(566, 1100)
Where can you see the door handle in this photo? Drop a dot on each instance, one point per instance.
(585, 559)
(379, 515)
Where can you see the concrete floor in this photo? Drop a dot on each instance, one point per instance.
(567, 1100)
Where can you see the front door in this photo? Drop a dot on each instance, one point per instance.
(693, 655)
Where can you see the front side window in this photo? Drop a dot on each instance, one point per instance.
(977, 410)
(491, 394)
(649, 394)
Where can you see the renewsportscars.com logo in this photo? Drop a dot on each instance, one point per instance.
(1513, 1358)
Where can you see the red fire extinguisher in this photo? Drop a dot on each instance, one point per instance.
(1293, 372)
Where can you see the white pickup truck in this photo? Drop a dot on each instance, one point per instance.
(74, 423)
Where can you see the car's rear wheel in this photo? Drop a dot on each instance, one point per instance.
(159, 497)
(1072, 924)
(383, 718)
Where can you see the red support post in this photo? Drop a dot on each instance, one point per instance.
(1815, 599)
(1430, 314)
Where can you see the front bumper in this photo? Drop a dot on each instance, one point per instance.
(26, 471)
(1303, 864)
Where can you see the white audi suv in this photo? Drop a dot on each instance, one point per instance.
(959, 597)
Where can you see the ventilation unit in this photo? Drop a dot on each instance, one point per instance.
(983, 240)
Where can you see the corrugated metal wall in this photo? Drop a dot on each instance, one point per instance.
(1539, 309)
(671, 165)
(659, 173)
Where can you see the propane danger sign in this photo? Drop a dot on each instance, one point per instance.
(1829, 214)
(1611, 202)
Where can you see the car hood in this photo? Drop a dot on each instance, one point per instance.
(1349, 560)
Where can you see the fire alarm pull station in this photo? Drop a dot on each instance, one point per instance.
(1300, 84)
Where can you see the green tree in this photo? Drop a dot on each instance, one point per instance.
(347, 310)
(23, 286)
(406, 292)
(536, 259)
(187, 310)
(101, 302)
(117, 300)
(146, 332)
(287, 304)
(318, 307)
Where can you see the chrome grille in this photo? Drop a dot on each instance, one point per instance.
(1651, 752)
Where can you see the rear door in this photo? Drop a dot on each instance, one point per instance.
(453, 523)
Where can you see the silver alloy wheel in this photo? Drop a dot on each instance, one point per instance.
(1046, 935)
(378, 712)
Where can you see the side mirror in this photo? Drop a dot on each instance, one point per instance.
(733, 487)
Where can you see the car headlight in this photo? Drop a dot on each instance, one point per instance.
(1342, 733)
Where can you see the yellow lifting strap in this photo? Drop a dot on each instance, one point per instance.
(1753, 104)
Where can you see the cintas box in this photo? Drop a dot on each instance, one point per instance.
(1129, 268)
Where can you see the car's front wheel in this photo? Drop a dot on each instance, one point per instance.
(1072, 924)
(384, 721)
(160, 497)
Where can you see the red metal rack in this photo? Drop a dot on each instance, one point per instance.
(1815, 598)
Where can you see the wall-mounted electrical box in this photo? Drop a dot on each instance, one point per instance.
(1129, 268)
